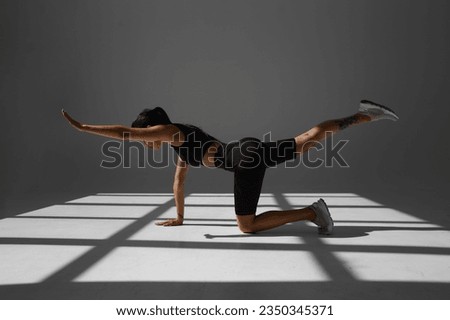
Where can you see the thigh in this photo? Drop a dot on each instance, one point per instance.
(246, 153)
(247, 189)
(277, 152)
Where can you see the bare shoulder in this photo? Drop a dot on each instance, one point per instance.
(164, 128)
(169, 133)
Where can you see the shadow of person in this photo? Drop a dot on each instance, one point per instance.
(308, 231)
(344, 233)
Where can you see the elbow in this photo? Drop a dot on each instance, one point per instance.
(178, 185)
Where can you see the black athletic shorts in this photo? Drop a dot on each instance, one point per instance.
(249, 158)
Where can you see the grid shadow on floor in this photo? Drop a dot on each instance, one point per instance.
(106, 246)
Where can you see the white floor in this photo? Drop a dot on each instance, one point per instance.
(108, 246)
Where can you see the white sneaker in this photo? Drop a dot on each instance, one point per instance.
(376, 111)
(323, 218)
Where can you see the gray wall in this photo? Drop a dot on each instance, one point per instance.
(235, 68)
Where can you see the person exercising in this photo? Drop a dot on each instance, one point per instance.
(247, 158)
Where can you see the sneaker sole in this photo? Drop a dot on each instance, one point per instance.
(385, 109)
(326, 231)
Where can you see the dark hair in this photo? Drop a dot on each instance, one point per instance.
(151, 117)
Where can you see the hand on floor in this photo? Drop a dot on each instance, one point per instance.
(170, 223)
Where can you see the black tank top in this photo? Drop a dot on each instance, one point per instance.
(195, 145)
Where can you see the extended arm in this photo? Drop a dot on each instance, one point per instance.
(157, 133)
(178, 192)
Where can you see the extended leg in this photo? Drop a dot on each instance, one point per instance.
(317, 133)
(368, 111)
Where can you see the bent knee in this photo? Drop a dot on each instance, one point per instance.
(247, 229)
(246, 223)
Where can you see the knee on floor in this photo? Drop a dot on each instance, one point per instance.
(247, 229)
(247, 223)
